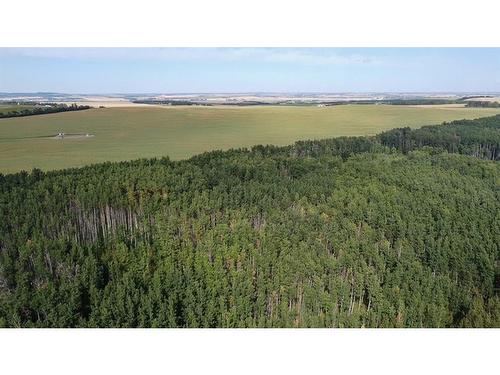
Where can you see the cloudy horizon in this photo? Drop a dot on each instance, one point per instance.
(249, 70)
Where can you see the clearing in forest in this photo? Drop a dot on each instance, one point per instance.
(179, 132)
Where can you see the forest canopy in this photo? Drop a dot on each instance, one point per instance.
(397, 230)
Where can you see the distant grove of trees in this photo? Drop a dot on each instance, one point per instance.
(397, 230)
(484, 104)
(41, 109)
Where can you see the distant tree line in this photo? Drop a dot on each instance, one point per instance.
(201, 103)
(169, 102)
(483, 104)
(42, 109)
(396, 230)
(475, 97)
(423, 101)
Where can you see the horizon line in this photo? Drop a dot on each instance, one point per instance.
(248, 92)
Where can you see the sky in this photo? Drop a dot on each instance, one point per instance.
(238, 70)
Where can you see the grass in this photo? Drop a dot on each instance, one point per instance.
(180, 132)
(4, 108)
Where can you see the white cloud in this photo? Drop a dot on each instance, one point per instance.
(301, 56)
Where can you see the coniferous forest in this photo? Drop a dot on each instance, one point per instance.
(397, 230)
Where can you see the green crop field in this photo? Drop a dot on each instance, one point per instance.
(4, 108)
(179, 132)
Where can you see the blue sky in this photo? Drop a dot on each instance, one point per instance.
(188, 70)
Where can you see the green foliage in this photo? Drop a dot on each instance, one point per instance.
(479, 138)
(483, 104)
(345, 232)
(42, 109)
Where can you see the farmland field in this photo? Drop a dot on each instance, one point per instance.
(4, 108)
(180, 132)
